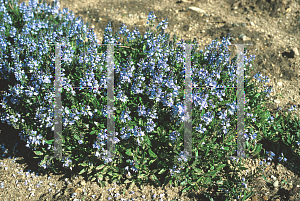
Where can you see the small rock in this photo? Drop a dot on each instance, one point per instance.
(82, 183)
(277, 101)
(276, 183)
(243, 37)
(279, 84)
(251, 23)
(295, 51)
(196, 9)
(274, 178)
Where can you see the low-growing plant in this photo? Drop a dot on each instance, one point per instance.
(149, 99)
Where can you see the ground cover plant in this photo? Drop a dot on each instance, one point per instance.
(149, 116)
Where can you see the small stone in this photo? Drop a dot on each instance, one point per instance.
(251, 23)
(198, 10)
(275, 184)
(295, 51)
(277, 101)
(279, 84)
(242, 36)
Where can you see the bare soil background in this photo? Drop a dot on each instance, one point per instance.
(272, 26)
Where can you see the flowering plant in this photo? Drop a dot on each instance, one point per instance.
(149, 75)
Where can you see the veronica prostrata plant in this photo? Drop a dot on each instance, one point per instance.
(149, 74)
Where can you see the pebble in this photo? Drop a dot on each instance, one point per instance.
(276, 184)
(295, 51)
(196, 9)
(277, 101)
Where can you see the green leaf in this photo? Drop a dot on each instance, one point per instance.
(38, 153)
(82, 171)
(131, 185)
(154, 178)
(140, 121)
(90, 170)
(105, 169)
(94, 132)
(83, 164)
(128, 152)
(141, 176)
(152, 153)
(183, 183)
(264, 177)
(211, 173)
(199, 171)
(100, 177)
(49, 141)
(161, 171)
(127, 181)
(115, 169)
(100, 167)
